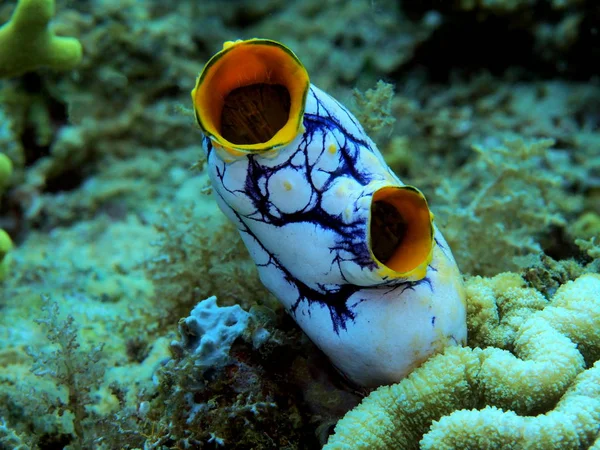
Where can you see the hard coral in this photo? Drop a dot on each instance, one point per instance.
(552, 349)
(573, 423)
(338, 38)
(26, 43)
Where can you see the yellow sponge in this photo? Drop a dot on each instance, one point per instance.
(26, 43)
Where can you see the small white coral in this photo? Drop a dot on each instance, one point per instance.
(210, 330)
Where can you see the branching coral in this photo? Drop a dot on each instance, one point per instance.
(546, 366)
(5, 171)
(26, 43)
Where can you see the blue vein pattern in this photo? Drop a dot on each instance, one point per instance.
(245, 191)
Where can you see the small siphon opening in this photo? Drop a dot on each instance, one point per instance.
(388, 229)
(253, 114)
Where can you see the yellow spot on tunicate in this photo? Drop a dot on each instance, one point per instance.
(332, 149)
(287, 185)
(347, 214)
(228, 44)
(341, 191)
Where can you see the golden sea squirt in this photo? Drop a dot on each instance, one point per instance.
(349, 250)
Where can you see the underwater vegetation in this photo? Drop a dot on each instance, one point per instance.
(134, 314)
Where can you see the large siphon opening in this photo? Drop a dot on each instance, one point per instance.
(388, 229)
(253, 114)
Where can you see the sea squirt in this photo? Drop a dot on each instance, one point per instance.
(349, 250)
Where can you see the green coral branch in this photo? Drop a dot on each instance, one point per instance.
(6, 243)
(6, 168)
(27, 43)
(546, 365)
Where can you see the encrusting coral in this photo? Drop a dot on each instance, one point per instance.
(508, 400)
(26, 42)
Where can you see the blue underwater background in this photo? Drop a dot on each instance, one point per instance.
(109, 235)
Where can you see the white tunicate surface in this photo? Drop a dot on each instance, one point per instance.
(288, 190)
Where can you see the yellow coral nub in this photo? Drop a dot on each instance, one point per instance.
(6, 246)
(5, 242)
(26, 42)
(5, 171)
